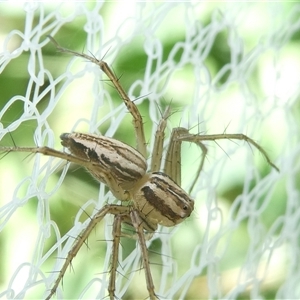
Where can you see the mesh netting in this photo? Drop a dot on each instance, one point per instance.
(232, 68)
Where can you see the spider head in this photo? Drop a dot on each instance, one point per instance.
(162, 201)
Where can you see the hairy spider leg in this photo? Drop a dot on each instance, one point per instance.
(118, 219)
(107, 209)
(132, 108)
(109, 180)
(183, 135)
(158, 145)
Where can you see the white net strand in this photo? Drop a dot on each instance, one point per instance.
(232, 68)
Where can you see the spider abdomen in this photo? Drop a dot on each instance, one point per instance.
(107, 155)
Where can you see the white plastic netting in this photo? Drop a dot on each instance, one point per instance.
(232, 67)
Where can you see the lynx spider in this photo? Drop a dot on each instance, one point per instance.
(154, 197)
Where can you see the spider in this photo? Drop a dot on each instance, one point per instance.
(152, 197)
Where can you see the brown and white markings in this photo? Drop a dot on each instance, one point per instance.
(153, 197)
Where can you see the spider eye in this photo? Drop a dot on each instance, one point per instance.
(185, 207)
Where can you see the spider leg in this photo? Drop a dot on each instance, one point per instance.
(114, 255)
(132, 108)
(182, 135)
(159, 142)
(48, 152)
(204, 152)
(107, 209)
(106, 177)
(172, 165)
(195, 138)
(117, 234)
(138, 225)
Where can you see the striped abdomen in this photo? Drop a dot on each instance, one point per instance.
(109, 156)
